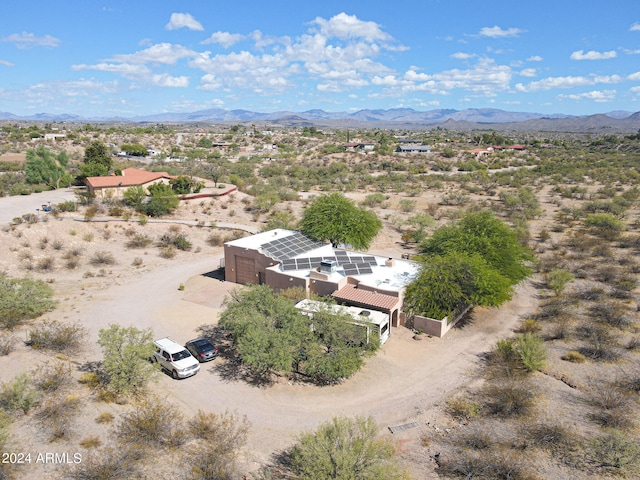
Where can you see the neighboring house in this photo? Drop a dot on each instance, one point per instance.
(362, 147)
(113, 186)
(413, 149)
(54, 136)
(283, 258)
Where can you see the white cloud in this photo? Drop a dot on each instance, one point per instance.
(593, 55)
(28, 40)
(126, 70)
(345, 26)
(599, 96)
(635, 89)
(462, 55)
(497, 32)
(634, 76)
(566, 82)
(6, 63)
(635, 27)
(183, 20)
(225, 39)
(166, 80)
(528, 72)
(162, 53)
(535, 58)
(631, 52)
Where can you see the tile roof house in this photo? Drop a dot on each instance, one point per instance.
(113, 186)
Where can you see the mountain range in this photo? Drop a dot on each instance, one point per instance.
(408, 118)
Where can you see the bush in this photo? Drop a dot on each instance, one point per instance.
(55, 414)
(112, 463)
(153, 423)
(23, 299)
(615, 452)
(58, 336)
(7, 344)
(18, 395)
(574, 357)
(509, 399)
(557, 280)
(532, 352)
(139, 240)
(51, 377)
(461, 408)
(102, 258)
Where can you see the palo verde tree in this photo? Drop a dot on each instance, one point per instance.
(126, 358)
(337, 219)
(43, 166)
(473, 262)
(345, 449)
(23, 299)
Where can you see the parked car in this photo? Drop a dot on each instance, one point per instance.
(202, 349)
(174, 358)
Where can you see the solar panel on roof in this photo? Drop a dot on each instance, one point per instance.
(350, 269)
(289, 267)
(303, 263)
(355, 259)
(364, 268)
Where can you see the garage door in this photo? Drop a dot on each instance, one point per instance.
(246, 270)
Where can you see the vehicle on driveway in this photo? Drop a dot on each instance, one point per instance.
(202, 349)
(174, 358)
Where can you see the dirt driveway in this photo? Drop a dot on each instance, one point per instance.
(403, 383)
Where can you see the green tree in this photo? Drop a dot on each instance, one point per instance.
(449, 283)
(43, 166)
(134, 196)
(483, 234)
(604, 225)
(97, 160)
(345, 449)
(162, 202)
(182, 184)
(23, 299)
(337, 219)
(280, 219)
(126, 358)
(135, 149)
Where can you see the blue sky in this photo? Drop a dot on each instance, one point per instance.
(128, 58)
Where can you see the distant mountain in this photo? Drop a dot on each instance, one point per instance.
(468, 119)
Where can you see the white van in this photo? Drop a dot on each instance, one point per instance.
(174, 358)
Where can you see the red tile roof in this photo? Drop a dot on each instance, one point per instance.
(366, 298)
(130, 177)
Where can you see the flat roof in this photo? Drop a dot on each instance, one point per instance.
(371, 316)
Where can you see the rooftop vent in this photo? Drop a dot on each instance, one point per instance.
(365, 313)
(328, 266)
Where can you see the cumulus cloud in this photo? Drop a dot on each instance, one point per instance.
(497, 32)
(161, 53)
(28, 40)
(183, 20)
(528, 72)
(225, 39)
(634, 77)
(635, 89)
(635, 27)
(535, 58)
(349, 26)
(166, 80)
(593, 55)
(599, 96)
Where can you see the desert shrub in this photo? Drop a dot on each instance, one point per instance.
(45, 264)
(152, 423)
(215, 240)
(574, 357)
(470, 464)
(137, 262)
(55, 414)
(7, 344)
(558, 279)
(90, 442)
(610, 403)
(168, 252)
(533, 354)
(610, 313)
(615, 452)
(223, 435)
(589, 293)
(529, 325)
(601, 344)
(462, 408)
(67, 206)
(373, 200)
(604, 225)
(102, 258)
(51, 377)
(553, 436)
(105, 417)
(475, 437)
(509, 399)
(174, 239)
(18, 395)
(22, 299)
(112, 463)
(139, 240)
(58, 336)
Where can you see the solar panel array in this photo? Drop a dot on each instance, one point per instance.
(341, 258)
(290, 246)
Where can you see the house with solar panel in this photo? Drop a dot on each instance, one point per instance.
(283, 259)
